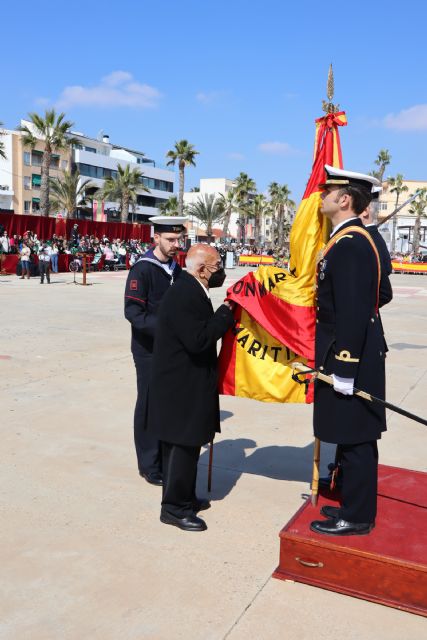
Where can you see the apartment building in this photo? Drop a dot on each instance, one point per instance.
(96, 159)
(221, 186)
(404, 220)
(20, 173)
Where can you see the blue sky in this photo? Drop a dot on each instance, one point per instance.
(242, 81)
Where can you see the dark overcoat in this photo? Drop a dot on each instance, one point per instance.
(349, 341)
(183, 401)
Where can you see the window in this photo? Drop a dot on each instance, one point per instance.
(64, 165)
(27, 182)
(36, 181)
(54, 162)
(91, 149)
(27, 158)
(383, 206)
(36, 158)
(36, 204)
(27, 206)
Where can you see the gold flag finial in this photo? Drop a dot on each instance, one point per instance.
(329, 107)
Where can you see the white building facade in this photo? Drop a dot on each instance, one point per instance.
(404, 220)
(221, 186)
(97, 160)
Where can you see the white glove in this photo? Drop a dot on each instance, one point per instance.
(343, 385)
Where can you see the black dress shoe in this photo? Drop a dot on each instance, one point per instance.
(189, 523)
(152, 478)
(329, 511)
(334, 527)
(200, 504)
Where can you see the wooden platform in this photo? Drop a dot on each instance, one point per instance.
(388, 566)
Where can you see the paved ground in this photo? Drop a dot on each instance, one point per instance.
(84, 555)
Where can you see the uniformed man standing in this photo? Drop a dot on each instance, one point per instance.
(368, 217)
(350, 347)
(148, 280)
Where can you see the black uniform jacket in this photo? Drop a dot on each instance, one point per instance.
(349, 341)
(146, 285)
(386, 292)
(183, 401)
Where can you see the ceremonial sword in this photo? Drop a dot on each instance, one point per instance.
(302, 368)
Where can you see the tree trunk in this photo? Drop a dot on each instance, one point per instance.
(280, 224)
(125, 208)
(416, 241)
(44, 187)
(226, 222)
(257, 229)
(393, 237)
(181, 188)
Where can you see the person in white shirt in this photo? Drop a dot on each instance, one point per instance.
(5, 242)
(45, 253)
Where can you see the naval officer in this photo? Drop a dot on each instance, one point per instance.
(148, 280)
(350, 348)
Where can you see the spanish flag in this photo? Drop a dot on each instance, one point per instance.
(275, 313)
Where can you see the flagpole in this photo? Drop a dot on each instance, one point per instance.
(315, 478)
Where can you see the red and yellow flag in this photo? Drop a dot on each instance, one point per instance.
(275, 314)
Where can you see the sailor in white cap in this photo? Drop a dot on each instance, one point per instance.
(350, 348)
(148, 280)
(369, 218)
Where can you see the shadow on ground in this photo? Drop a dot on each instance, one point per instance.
(232, 458)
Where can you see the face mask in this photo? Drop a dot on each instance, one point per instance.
(217, 278)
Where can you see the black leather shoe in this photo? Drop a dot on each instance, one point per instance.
(189, 523)
(201, 505)
(340, 527)
(329, 511)
(152, 478)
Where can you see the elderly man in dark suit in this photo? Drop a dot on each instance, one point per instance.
(183, 405)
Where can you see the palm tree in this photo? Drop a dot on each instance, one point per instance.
(54, 130)
(281, 204)
(169, 207)
(257, 209)
(184, 154)
(228, 204)
(382, 161)
(66, 194)
(418, 208)
(2, 151)
(397, 187)
(245, 186)
(208, 210)
(123, 188)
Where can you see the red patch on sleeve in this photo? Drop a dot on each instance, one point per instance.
(134, 285)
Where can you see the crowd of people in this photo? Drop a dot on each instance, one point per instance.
(48, 249)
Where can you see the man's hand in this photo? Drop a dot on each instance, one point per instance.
(343, 385)
(231, 305)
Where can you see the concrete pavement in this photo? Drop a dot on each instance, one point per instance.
(84, 555)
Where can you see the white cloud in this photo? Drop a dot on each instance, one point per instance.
(208, 97)
(41, 101)
(412, 119)
(277, 148)
(235, 155)
(118, 89)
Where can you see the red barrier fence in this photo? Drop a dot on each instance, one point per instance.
(46, 227)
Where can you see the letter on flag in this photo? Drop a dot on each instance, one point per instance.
(275, 308)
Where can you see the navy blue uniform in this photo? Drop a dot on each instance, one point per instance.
(146, 285)
(350, 344)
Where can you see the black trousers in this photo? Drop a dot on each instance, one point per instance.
(148, 451)
(179, 478)
(359, 464)
(44, 268)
